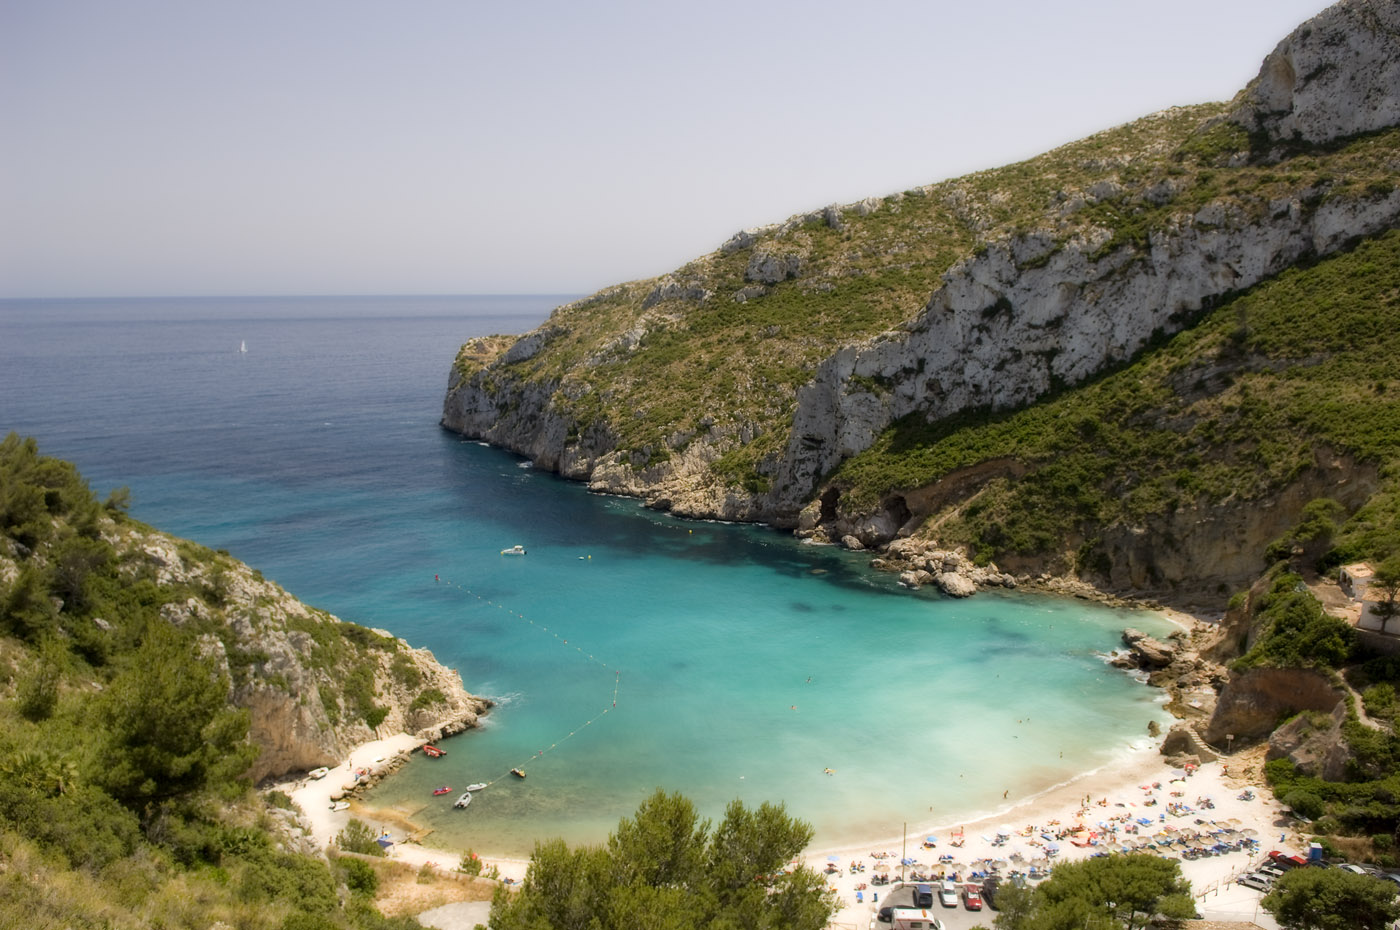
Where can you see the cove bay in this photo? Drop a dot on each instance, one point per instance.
(627, 650)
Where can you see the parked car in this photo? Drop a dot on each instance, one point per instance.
(948, 894)
(1272, 871)
(923, 895)
(972, 897)
(989, 891)
(1255, 880)
(1354, 869)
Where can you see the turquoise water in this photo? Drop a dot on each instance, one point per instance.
(315, 456)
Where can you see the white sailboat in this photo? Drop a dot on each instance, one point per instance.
(243, 347)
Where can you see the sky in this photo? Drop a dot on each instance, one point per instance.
(455, 146)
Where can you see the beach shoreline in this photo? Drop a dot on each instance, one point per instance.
(1139, 786)
(1136, 786)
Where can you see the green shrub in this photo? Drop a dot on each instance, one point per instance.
(360, 876)
(428, 698)
(359, 837)
(1305, 804)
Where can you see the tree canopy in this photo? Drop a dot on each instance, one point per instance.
(1331, 899)
(168, 729)
(664, 868)
(1114, 893)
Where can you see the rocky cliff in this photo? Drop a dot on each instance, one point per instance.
(314, 686)
(735, 386)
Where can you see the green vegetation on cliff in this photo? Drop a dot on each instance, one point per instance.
(1230, 410)
(123, 802)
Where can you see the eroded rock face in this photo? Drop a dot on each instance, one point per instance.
(1252, 703)
(999, 335)
(293, 683)
(1182, 743)
(1335, 76)
(1315, 746)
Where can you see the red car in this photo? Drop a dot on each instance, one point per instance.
(972, 897)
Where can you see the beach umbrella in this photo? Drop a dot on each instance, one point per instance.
(1004, 830)
(833, 858)
(882, 867)
(1250, 831)
(908, 862)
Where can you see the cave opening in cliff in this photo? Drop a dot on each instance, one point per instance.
(898, 509)
(828, 504)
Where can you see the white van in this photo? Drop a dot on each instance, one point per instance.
(904, 918)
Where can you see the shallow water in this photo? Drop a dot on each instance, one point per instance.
(743, 663)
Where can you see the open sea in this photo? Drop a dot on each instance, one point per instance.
(627, 650)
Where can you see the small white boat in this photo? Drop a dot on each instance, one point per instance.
(340, 806)
(514, 550)
(322, 772)
(464, 800)
(243, 347)
(479, 786)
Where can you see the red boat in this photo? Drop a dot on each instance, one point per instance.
(432, 751)
(443, 790)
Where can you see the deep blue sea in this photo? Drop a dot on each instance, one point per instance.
(628, 650)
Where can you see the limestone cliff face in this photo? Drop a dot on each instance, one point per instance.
(1005, 329)
(1337, 75)
(308, 680)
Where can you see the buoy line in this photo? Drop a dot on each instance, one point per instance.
(589, 657)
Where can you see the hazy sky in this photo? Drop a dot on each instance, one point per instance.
(430, 147)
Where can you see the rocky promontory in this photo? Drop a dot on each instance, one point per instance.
(314, 686)
(740, 385)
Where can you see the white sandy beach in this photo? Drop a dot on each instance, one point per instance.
(1139, 789)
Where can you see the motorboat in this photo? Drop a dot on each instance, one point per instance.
(443, 790)
(433, 752)
(514, 550)
(479, 786)
(464, 800)
(322, 772)
(518, 773)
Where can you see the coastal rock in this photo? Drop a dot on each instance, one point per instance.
(1181, 742)
(1252, 703)
(1149, 652)
(852, 543)
(916, 578)
(955, 585)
